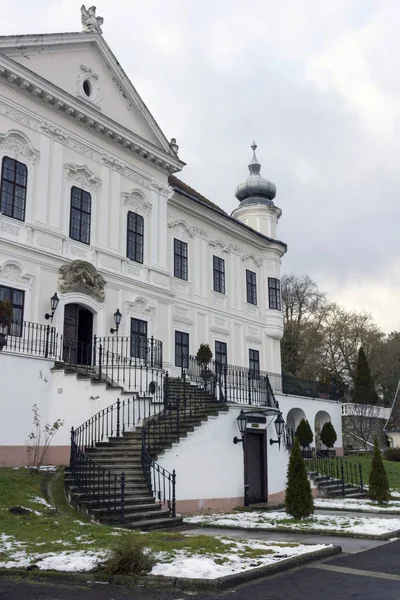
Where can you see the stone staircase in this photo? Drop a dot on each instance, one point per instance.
(329, 487)
(185, 408)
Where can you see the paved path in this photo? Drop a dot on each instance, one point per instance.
(348, 545)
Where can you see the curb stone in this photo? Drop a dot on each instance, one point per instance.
(220, 583)
(325, 532)
(360, 510)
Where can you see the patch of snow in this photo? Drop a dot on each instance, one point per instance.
(184, 564)
(274, 520)
(356, 504)
(42, 501)
(35, 512)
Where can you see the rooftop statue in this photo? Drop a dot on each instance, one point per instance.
(91, 23)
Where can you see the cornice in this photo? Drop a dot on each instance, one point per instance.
(32, 121)
(37, 88)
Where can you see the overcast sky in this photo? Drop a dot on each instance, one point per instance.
(315, 82)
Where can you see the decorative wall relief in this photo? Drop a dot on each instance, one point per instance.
(249, 256)
(18, 146)
(14, 273)
(88, 74)
(140, 306)
(82, 175)
(81, 277)
(136, 201)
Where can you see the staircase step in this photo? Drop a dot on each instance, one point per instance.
(155, 523)
(133, 516)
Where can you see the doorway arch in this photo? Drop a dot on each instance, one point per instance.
(78, 334)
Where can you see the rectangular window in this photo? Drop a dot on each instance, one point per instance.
(180, 260)
(135, 236)
(16, 297)
(221, 356)
(139, 339)
(254, 363)
(251, 287)
(81, 206)
(219, 274)
(14, 177)
(181, 349)
(274, 293)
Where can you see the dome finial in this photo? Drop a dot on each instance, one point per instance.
(256, 189)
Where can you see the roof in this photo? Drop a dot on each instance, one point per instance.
(180, 186)
(185, 190)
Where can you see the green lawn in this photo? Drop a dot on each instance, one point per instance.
(392, 469)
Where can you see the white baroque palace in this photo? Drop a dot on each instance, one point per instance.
(97, 233)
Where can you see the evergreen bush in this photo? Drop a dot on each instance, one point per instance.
(328, 435)
(393, 454)
(204, 354)
(6, 313)
(378, 480)
(298, 500)
(364, 390)
(304, 434)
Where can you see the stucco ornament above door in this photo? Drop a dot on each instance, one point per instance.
(81, 277)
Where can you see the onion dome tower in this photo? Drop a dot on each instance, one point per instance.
(256, 196)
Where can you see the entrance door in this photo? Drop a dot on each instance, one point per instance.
(255, 475)
(78, 331)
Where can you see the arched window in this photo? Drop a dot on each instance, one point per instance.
(135, 234)
(14, 176)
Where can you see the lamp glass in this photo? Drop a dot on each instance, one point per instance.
(117, 317)
(279, 425)
(54, 300)
(242, 421)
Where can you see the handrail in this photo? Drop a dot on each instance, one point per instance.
(35, 339)
(160, 481)
(97, 483)
(338, 471)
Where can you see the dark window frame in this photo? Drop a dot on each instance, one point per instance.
(78, 211)
(182, 349)
(16, 326)
(274, 293)
(221, 356)
(180, 259)
(254, 363)
(139, 339)
(251, 287)
(219, 274)
(5, 182)
(135, 237)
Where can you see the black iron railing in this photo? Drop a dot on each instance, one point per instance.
(97, 483)
(231, 383)
(288, 436)
(340, 472)
(160, 481)
(24, 337)
(309, 388)
(130, 373)
(146, 351)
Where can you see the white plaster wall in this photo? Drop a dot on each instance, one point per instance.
(209, 465)
(310, 407)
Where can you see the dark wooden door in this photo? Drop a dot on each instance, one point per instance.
(255, 466)
(70, 333)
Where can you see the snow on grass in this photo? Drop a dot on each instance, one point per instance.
(354, 504)
(42, 501)
(281, 520)
(239, 556)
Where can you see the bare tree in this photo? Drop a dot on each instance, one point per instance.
(363, 423)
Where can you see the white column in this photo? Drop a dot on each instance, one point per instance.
(42, 172)
(56, 186)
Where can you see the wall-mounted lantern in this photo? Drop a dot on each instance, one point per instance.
(117, 321)
(279, 426)
(241, 423)
(54, 300)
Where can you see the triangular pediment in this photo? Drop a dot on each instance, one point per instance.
(83, 65)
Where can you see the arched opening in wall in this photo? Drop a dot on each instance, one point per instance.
(321, 418)
(294, 416)
(78, 335)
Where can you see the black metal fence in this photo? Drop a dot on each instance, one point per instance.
(97, 483)
(24, 337)
(340, 472)
(159, 480)
(232, 384)
(146, 351)
(309, 388)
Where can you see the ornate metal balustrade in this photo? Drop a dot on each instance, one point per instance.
(340, 472)
(34, 339)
